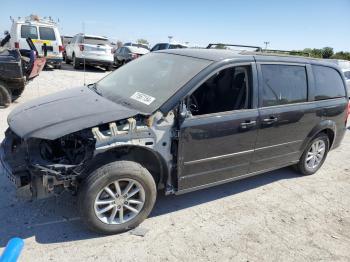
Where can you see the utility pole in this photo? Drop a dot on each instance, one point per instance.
(266, 44)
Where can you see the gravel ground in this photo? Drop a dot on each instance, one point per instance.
(277, 216)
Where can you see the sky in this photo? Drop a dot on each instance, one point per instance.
(286, 24)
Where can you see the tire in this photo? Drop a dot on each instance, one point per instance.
(93, 189)
(66, 59)
(109, 68)
(76, 64)
(5, 96)
(58, 66)
(16, 94)
(302, 167)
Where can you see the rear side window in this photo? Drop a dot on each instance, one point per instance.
(347, 75)
(47, 33)
(283, 84)
(329, 83)
(29, 31)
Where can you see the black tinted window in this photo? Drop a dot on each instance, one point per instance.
(162, 46)
(347, 75)
(329, 83)
(283, 84)
(47, 33)
(29, 31)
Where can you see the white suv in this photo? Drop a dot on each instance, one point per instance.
(91, 50)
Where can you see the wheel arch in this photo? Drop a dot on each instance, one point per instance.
(147, 157)
(328, 127)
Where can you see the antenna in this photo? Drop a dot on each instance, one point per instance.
(83, 52)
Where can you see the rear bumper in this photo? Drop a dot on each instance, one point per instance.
(95, 62)
(54, 61)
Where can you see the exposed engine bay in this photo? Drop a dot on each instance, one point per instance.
(52, 166)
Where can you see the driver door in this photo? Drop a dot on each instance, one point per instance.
(218, 147)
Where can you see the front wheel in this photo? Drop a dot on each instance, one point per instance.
(109, 68)
(76, 64)
(314, 155)
(117, 197)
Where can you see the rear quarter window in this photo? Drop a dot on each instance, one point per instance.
(347, 75)
(329, 83)
(283, 84)
(29, 31)
(47, 33)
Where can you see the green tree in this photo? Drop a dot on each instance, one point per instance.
(142, 41)
(342, 55)
(327, 52)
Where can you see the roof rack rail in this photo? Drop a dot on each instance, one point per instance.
(288, 52)
(257, 48)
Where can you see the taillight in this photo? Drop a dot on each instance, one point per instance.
(16, 45)
(60, 48)
(81, 47)
(134, 56)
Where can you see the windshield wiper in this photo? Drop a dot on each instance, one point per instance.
(93, 87)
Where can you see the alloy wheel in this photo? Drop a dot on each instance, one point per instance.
(315, 154)
(120, 201)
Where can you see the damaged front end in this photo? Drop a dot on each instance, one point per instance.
(49, 167)
(46, 166)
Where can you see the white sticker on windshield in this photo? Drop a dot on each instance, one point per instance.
(143, 98)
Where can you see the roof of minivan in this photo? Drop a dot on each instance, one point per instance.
(222, 54)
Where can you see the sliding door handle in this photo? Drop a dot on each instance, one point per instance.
(248, 124)
(270, 120)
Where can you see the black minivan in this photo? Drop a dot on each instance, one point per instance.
(177, 120)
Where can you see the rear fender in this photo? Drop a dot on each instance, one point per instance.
(327, 126)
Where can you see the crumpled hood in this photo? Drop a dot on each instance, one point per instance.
(65, 112)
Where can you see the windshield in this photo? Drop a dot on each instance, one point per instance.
(149, 81)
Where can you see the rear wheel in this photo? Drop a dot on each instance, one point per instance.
(314, 155)
(117, 197)
(76, 64)
(5, 96)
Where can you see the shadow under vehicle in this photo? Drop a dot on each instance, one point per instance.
(17, 67)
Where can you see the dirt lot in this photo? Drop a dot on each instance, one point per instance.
(277, 216)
